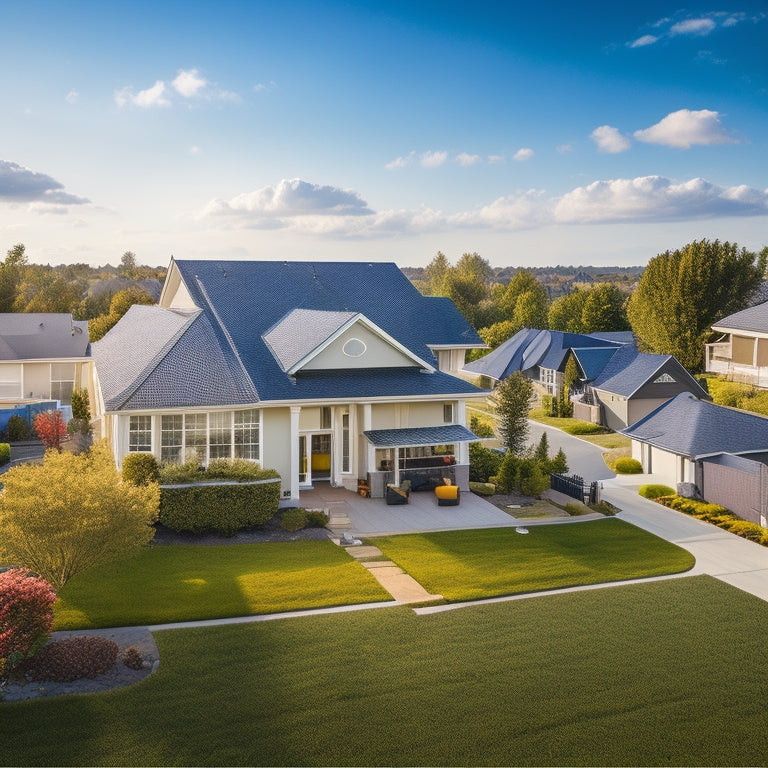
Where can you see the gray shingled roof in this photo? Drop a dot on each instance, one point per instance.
(301, 331)
(752, 319)
(413, 436)
(42, 336)
(695, 428)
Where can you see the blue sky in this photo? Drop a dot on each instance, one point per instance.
(532, 133)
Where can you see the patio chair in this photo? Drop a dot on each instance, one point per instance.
(398, 494)
(448, 495)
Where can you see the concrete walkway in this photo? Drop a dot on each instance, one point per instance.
(730, 558)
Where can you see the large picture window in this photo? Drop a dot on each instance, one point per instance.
(10, 380)
(203, 437)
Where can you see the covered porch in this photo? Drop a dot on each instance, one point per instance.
(372, 517)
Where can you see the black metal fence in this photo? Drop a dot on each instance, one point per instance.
(575, 487)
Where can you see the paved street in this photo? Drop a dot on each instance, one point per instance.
(585, 459)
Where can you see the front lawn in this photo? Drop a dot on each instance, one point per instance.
(592, 433)
(467, 565)
(186, 583)
(669, 673)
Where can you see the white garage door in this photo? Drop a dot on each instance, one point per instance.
(664, 467)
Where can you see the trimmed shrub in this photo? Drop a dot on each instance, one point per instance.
(219, 508)
(26, 615)
(140, 469)
(559, 465)
(483, 462)
(239, 470)
(482, 489)
(508, 477)
(747, 530)
(294, 519)
(574, 509)
(628, 466)
(81, 405)
(536, 483)
(76, 657)
(18, 429)
(132, 658)
(83, 426)
(549, 405)
(5, 453)
(316, 518)
(584, 428)
(654, 490)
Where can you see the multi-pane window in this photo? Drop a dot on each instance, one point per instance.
(325, 417)
(448, 413)
(140, 434)
(62, 382)
(171, 438)
(247, 435)
(220, 436)
(10, 380)
(196, 437)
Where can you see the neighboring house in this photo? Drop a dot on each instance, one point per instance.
(723, 451)
(741, 354)
(617, 384)
(43, 358)
(322, 371)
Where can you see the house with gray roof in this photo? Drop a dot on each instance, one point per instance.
(722, 451)
(44, 356)
(741, 352)
(617, 384)
(322, 371)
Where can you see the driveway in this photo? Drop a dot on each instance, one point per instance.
(730, 558)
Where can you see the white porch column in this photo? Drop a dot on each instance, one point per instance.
(294, 438)
(462, 454)
(370, 451)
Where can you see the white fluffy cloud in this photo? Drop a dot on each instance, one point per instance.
(323, 210)
(685, 128)
(433, 159)
(465, 159)
(189, 83)
(693, 27)
(642, 41)
(291, 198)
(523, 154)
(609, 139)
(22, 185)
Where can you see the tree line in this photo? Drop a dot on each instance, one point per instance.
(100, 295)
(670, 310)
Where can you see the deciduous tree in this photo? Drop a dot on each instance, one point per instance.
(681, 293)
(73, 512)
(50, 428)
(604, 309)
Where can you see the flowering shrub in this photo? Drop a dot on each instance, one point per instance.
(26, 615)
(76, 657)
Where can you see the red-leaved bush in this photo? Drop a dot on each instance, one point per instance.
(50, 428)
(26, 616)
(73, 658)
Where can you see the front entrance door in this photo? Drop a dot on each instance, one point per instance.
(314, 457)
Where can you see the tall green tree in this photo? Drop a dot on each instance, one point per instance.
(467, 293)
(512, 401)
(434, 274)
(605, 309)
(522, 282)
(11, 275)
(474, 265)
(565, 312)
(682, 292)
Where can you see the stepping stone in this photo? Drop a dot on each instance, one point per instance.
(364, 553)
(381, 564)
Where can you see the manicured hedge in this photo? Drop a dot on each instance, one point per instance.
(223, 508)
(654, 490)
(482, 489)
(5, 453)
(628, 466)
(717, 515)
(140, 469)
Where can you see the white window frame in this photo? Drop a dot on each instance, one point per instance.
(59, 381)
(8, 382)
(142, 429)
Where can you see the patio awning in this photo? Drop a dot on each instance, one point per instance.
(415, 436)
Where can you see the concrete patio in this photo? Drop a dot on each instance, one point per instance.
(372, 517)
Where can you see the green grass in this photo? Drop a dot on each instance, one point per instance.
(577, 427)
(633, 675)
(184, 583)
(467, 565)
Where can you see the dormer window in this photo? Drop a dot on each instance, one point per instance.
(665, 378)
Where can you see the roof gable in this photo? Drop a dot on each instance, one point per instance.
(754, 319)
(695, 428)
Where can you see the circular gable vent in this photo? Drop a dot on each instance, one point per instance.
(354, 348)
